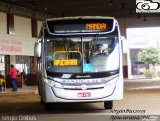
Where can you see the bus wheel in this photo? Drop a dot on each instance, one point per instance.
(42, 101)
(108, 105)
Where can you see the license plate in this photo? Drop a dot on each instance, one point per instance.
(84, 94)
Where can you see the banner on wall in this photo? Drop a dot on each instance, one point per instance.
(16, 45)
(13, 46)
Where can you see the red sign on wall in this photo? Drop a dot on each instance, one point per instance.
(10, 46)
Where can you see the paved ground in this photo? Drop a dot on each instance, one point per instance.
(134, 103)
(24, 90)
(142, 84)
(30, 103)
(26, 104)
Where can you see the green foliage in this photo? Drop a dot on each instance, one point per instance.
(149, 74)
(149, 56)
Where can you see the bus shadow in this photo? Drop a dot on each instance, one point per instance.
(38, 108)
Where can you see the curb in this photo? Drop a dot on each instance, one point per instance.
(18, 93)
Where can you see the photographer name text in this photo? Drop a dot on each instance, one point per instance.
(18, 118)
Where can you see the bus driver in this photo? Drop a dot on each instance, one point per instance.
(99, 50)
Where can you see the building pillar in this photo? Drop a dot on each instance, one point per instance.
(12, 59)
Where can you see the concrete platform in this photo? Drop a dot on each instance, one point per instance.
(142, 84)
(20, 91)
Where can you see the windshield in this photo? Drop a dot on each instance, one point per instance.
(82, 54)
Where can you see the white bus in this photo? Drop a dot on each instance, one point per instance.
(80, 60)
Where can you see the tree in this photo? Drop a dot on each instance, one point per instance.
(149, 56)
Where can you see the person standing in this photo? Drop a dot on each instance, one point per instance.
(2, 83)
(13, 75)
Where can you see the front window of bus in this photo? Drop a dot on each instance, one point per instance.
(82, 54)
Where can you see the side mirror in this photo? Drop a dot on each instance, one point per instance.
(37, 49)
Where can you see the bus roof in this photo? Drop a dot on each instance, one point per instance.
(80, 17)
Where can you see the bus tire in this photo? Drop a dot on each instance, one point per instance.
(42, 101)
(108, 105)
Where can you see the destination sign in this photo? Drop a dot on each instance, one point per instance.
(96, 26)
(80, 26)
(66, 62)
